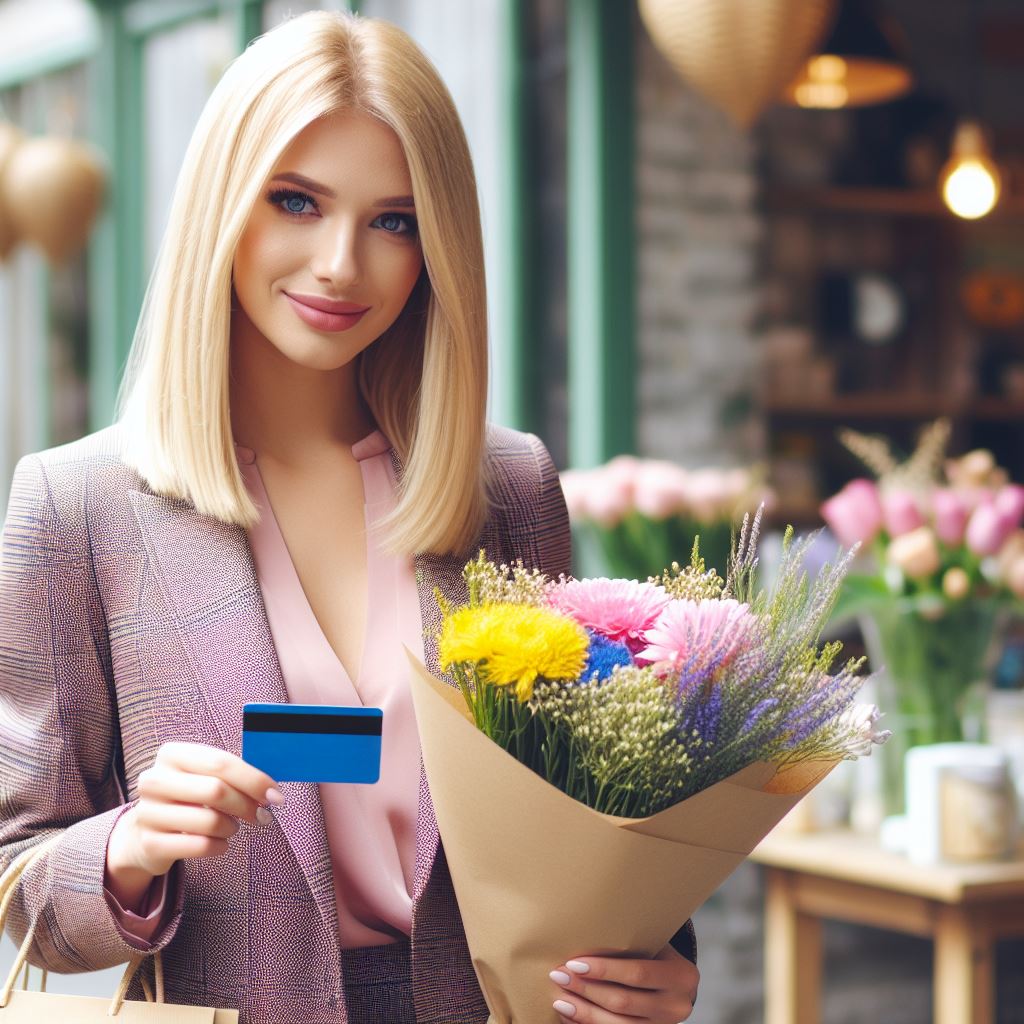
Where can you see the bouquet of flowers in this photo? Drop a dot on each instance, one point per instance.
(945, 562)
(644, 513)
(661, 727)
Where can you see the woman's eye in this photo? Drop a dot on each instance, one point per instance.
(397, 223)
(294, 203)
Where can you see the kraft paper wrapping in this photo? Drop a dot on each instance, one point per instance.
(541, 878)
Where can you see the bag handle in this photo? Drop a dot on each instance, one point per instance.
(8, 883)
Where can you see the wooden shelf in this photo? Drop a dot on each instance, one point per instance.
(887, 201)
(894, 406)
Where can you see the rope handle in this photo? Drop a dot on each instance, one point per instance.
(8, 883)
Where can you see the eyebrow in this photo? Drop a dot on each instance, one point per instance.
(314, 186)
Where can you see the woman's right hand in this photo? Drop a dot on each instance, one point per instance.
(189, 805)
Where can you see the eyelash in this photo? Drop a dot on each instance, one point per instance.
(278, 196)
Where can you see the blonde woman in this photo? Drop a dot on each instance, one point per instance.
(301, 457)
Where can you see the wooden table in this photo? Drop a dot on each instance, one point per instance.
(848, 877)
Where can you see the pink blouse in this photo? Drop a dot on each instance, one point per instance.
(371, 830)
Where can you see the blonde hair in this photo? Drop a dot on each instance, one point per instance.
(424, 380)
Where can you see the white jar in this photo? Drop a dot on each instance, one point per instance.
(961, 804)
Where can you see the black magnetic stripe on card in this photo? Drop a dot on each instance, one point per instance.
(344, 725)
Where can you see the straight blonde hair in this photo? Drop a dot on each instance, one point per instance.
(424, 380)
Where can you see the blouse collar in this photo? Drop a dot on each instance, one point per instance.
(375, 443)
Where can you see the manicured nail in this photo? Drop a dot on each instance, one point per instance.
(275, 796)
(564, 1008)
(263, 816)
(560, 977)
(577, 966)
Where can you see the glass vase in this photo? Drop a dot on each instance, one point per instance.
(933, 666)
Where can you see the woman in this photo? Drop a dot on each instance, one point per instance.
(304, 407)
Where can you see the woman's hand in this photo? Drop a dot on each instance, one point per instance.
(189, 804)
(610, 990)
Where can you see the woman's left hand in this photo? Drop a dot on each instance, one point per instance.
(612, 990)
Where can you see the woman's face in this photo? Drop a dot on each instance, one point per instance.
(331, 251)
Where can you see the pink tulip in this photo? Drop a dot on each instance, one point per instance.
(855, 513)
(1011, 551)
(950, 512)
(987, 529)
(708, 493)
(608, 491)
(956, 584)
(916, 553)
(1010, 502)
(1015, 577)
(576, 488)
(900, 512)
(660, 489)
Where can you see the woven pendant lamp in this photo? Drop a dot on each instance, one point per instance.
(740, 54)
(10, 139)
(52, 190)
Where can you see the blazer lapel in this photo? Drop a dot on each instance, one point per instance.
(206, 572)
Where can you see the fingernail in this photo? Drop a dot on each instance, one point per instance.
(263, 816)
(564, 1008)
(577, 966)
(560, 977)
(275, 796)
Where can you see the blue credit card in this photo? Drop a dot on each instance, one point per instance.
(313, 742)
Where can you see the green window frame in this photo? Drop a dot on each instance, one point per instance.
(601, 368)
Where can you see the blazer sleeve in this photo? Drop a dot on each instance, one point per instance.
(552, 539)
(58, 726)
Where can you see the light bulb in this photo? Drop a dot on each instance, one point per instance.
(970, 179)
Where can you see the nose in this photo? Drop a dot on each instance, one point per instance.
(336, 261)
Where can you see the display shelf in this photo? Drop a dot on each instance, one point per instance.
(884, 201)
(894, 405)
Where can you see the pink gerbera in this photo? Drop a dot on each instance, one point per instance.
(699, 636)
(621, 610)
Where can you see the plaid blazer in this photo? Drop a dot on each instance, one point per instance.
(127, 620)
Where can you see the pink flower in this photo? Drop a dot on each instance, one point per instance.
(660, 489)
(950, 511)
(1011, 551)
(709, 495)
(576, 487)
(956, 584)
(916, 553)
(855, 513)
(900, 512)
(987, 529)
(620, 610)
(1015, 576)
(1010, 502)
(699, 635)
(612, 488)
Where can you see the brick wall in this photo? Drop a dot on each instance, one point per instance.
(697, 294)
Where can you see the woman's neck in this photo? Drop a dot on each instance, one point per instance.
(293, 413)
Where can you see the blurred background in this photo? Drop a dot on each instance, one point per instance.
(717, 232)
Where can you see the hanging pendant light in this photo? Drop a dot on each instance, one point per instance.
(52, 189)
(737, 53)
(970, 180)
(10, 138)
(862, 62)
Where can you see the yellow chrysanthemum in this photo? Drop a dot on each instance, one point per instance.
(514, 644)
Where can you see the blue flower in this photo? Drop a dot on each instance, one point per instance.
(604, 656)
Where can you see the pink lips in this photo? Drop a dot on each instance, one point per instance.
(326, 314)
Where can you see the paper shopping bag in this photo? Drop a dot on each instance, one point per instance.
(20, 1006)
